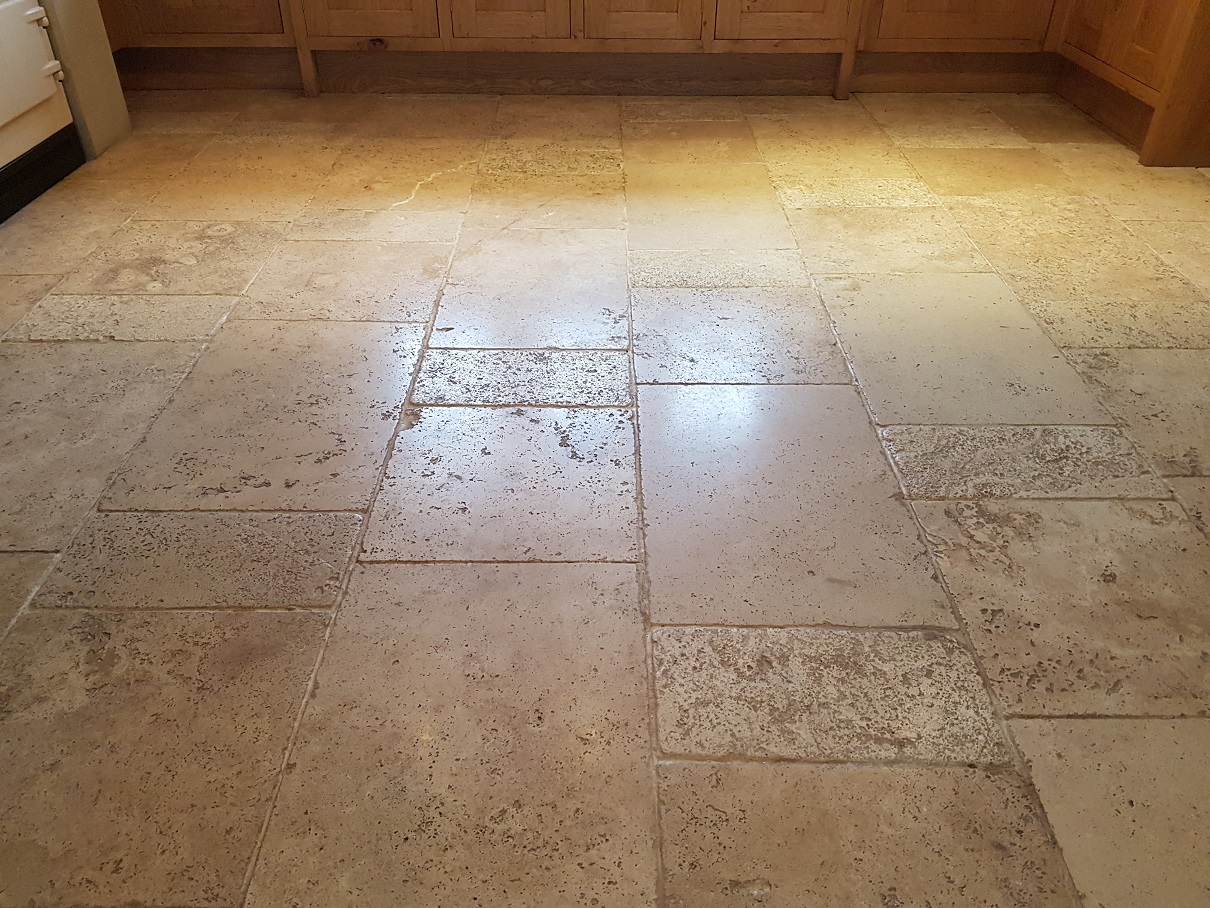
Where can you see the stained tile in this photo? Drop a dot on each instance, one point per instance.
(547, 377)
(472, 484)
(1020, 462)
(70, 413)
(990, 171)
(402, 174)
(1194, 494)
(578, 200)
(291, 416)
(434, 116)
(822, 695)
(787, 836)
(176, 257)
(541, 155)
(1047, 119)
(350, 281)
(743, 335)
(508, 763)
(176, 560)
(1185, 245)
(953, 349)
(146, 156)
(19, 294)
(940, 121)
(878, 240)
(19, 574)
(1113, 175)
(1129, 804)
(689, 142)
(169, 728)
(536, 288)
(746, 491)
(1081, 608)
(320, 222)
(127, 318)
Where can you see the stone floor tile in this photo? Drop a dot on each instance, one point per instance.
(953, 349)
(1130, 805)
(1113, 175)
(797, 189)
(71, 412)
(574, 200)
(802, 110)
(546, 116)
(1047, 119)
(747, 490)
(1019, 462)
(146, 156)
(1081, 608)
(536, 288)
(878, 240)
(19, 574)
(479, 735)
(432, 116)
(291, 416)
(808, 694)
(176, 257)
(19, 294)
(848, 171)
(126, 318)
(1194, 494)
(689, 143)
(750, 335)
(988, 172)
(139, 752)
(553, 155)
(940, 121)
(668, 109)
(1185, 245)
(477, 484)
(198, 560)
(321, 222)
(402, 174)
(714, 269)
(290, 113)
(348, 281)
(790, 836)
(210, 111)
(568, 378)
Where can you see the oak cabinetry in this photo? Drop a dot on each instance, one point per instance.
(1136, 39)
(963, 24)
(209, 16)
(669, 19)
(781, 19)
(378, 18)
(511, 18)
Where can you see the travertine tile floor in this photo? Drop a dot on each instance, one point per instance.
(550, 502)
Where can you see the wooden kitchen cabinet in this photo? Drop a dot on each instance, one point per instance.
(776, 19)
(511, 18)
(643, 19)
(372, 18)
(199, 17)
(1135, 40)
(961, 20)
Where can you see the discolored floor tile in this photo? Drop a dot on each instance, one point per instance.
(734, 336)
(19, 574)
(19, 294)
(192, 560)
(1194, 494)
(988, 172)
(402, 174)
(434, 116)
(536, 288)
(281, 113)
(689, 142)
(1047, 119)
(717, 268)
(146, 156)
(940, 121)
(577, 200)
(176, 257)
(348, 281)
(70, 413)
(538, 155)
(841, 171)
(1113, 175)
(1081, 608)
(126, 318)
(953, 349)
(747, 494)
(291, 416)
(321, 222)
(788, 836)
(188, 111)
(1020, 462)
(883, 240)
(1185, 245)
(479, 736)
(811, 694)
(567, 378)
(472, 484)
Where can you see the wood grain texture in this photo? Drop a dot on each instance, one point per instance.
(1116, 110)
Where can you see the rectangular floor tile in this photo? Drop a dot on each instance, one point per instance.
(690, 143)
(127, 318)
(479, 736)
(1088, 608)
(433, 116)
(940, 121)
(822, 695)
(850, 170)
(475, 484)
(1185, 245)
(170, 561)
(20, 293)
(1194, 494)
(402, 173)
(1044, 119)
(583, 201)
(883, 240)
(1020, 462)
(140, 752)
(989, 172)
(146, 156)
(787, 836)
(402, 225)
(291, 416)
(716, 269)
(953, 348)
(566, 378)
(664, 109)
(749, 335)
(1113, 175)
(557, 154)
(555, 115)
(70, 413)
(19, 573)
(747, 492)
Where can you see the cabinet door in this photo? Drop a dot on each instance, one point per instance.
(372, 18)
(1089, 28)
(512, 18)
(209, 17)
(1020, 20)
(643, 19)
(781, 18)
(1147, 39)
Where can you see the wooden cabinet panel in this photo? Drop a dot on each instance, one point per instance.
(1020, 20)
(643, 19)
(1148, 35)
(781, 19)
(372, 18)
(209, 17)
(512, 18)
(1088, 26)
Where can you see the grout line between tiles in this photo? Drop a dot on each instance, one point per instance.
(775, 760)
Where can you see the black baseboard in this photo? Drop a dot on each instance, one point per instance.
(38, 169)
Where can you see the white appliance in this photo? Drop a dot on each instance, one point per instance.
(33, 106)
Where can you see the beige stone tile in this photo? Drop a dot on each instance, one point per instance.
(480, 484)
(291, 416)
(1113, 175)
(1081, 607)
(810, 694)
(188, 111)
(731, 207)
(479, 736)
(292, 113)
(578, 200)
(146, 156)
(320, 222)
(432, 116)
(735, 336)
(799, 135)
(1194, 494)
(808, 189)
(140, 752)
(955, 348)
(179, 560)
(126, 318)
(19, 574)
(402, 174)
(567, 378)
(717, 268)
(774, 505)
(1162, 398)
(690, 143)
(801, 109)
(1020, 462)
(20, 293)
(990, 171)
(665, 109)
(546, 116)
(1129, 803)
(789, 836)
(1047, 119)
(70, 413)
(883, 240)
(176, 257)
(536, 288)
(349, 281)
(940, 121)
(540, 155)
(1185, 245)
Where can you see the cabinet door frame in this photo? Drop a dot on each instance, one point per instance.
(471, 22)
(830, 24)
(873, 40)
(422, 23)
(688, 23)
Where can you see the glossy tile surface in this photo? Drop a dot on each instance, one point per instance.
(598, 378)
